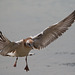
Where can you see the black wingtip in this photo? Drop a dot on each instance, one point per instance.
(0, 33)
(74, 14)
(74, 11)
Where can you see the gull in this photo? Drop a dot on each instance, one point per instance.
(23, 47)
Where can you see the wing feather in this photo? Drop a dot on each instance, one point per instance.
(3, 41)
(53, 32)
(6, 45)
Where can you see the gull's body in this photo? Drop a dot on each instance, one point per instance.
(23, 47)
(21, 50)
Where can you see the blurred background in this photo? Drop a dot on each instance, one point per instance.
(20, 19)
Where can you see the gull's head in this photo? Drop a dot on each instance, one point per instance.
(29, 42)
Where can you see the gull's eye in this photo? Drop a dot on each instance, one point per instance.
(28, 44)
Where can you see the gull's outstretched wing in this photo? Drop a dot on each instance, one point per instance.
(3, 41)
(53, 32)
(6, 45)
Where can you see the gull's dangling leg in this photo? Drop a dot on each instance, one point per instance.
(15, 64)
(26, 67)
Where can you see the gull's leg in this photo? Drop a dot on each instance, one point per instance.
(26, 67)
(15, 62)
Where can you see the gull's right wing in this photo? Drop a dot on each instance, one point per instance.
(6, 45)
